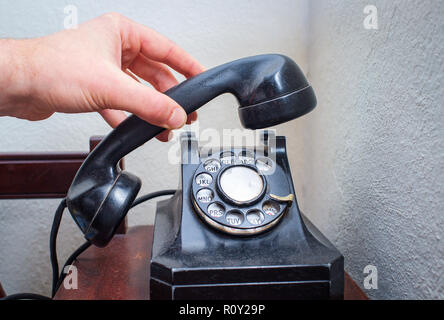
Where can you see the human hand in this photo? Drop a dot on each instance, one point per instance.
(91, 69)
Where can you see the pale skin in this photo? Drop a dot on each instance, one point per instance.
(91, 69)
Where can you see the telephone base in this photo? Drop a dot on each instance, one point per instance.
(192, 260)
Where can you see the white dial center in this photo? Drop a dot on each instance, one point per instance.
(242, 184)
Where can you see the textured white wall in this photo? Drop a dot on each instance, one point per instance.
(371, 173)
(213, 31)
(368, 163)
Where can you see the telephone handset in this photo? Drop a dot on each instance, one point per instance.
(270, 89)
(233, 229)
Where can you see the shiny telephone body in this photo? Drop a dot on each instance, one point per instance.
(225, 239)
(263, 248)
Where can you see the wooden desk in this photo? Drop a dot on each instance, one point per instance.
(121, 270)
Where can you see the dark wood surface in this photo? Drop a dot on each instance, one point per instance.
(352, 291)
(42, 175)
(38, 175)
(2, 292)
(121, 270)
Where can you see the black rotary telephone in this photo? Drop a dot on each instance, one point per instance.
(233, 230)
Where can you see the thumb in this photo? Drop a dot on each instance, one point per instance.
(127, 94)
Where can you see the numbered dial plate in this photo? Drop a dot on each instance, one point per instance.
(232, 194)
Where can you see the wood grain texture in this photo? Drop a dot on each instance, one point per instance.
(2, 292)
(37, 175)
(352, 291)
(43, 175)
(121, 270)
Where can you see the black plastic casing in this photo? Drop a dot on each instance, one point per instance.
(270, 89)
(191, 260)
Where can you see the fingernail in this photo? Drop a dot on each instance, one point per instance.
(177, 119)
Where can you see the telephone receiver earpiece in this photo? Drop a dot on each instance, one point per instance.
(270, 89)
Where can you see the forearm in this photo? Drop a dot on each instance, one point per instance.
(14, 76)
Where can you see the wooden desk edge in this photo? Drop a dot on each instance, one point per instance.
(128, 274)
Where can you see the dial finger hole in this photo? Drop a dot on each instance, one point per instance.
(212, 165)
(234, 218)
(255, 217)
(205, 195)
(216, 210)
(227, 157)
(271, 208)
(264, 164)
(204, 180)
(246, 157)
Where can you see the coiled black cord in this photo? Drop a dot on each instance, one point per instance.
(153, 195)
(69, 262)
(53, 244)
(58, 277)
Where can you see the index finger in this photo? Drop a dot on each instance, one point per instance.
(157, 47)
